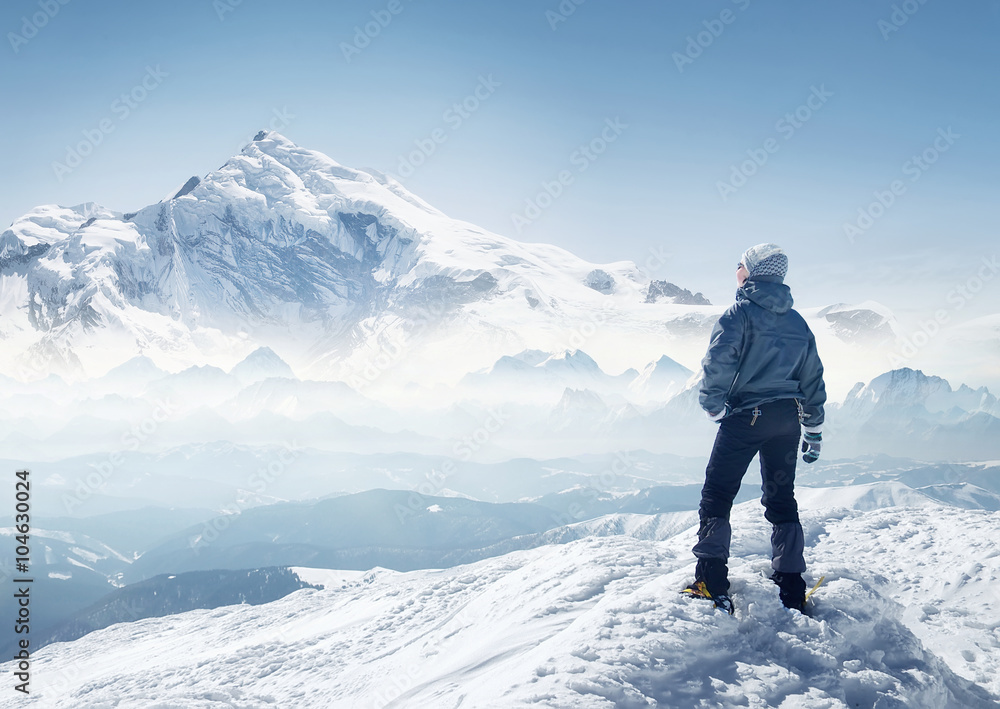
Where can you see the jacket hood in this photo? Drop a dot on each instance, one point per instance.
(770, 295)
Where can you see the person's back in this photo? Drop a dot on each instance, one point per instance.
(762, 378)
(762, 350)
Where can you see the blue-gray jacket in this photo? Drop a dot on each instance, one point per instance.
(762, 350)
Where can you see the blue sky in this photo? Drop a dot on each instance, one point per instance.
(880, 94)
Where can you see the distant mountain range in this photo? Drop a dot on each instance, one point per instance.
(341, 273)
(908, 413)
(211, 430)
(123, 566)
(286, 300)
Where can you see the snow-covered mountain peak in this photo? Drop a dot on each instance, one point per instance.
(46, 225)
(329, 266)
(660, 380)
(904, 387)
(902, 392)
(283, 247)
(261, 364)
(301, 161)
(907, 410)
(277, 167)
(531, 357)
(577, 359)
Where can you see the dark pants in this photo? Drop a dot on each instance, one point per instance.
(774, 433)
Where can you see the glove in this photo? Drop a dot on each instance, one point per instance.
(811, 443)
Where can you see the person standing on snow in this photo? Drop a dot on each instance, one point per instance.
(762, 380)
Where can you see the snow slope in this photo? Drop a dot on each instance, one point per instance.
(908, 617)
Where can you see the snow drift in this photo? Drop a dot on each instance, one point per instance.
(906, 618)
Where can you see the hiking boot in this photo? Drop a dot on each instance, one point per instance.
(791, 589)
(715, 574)
(724, 603)
(698, 589)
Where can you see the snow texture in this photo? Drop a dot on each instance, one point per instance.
(908, 617)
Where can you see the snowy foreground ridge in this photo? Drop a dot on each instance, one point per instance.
(909, 617)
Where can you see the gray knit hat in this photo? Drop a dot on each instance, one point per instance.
(765, 260)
